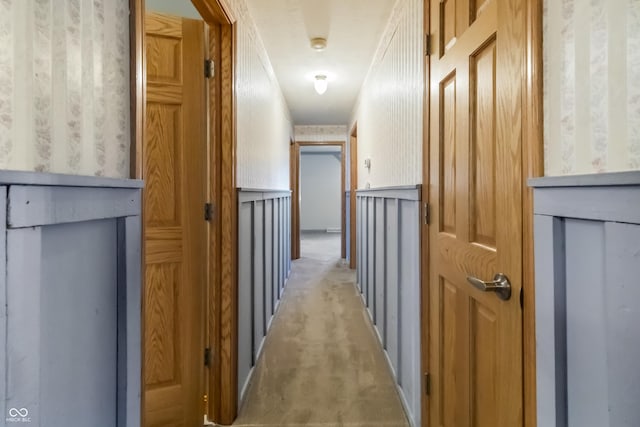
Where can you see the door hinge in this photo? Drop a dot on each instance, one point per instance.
(427, 213)
(208, 211)
(427, 44)
(427, 384)
(207, 356)
(209, 68)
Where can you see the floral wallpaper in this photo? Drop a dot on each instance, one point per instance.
(591, 86)
(320, 133)
(64, 86)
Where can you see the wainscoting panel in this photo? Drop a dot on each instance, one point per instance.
(70, 280)
(388, 251)
(264, 262)
(587, 251)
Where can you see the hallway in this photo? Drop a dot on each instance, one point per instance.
(321, 364)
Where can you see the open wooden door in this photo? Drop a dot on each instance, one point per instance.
(175, 234)
(475, 168)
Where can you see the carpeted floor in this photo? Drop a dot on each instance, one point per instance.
(321, 364)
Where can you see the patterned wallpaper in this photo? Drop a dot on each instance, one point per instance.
(389, 109)
(264, 128)
(320, 133)
(64, 86)
(592, 86)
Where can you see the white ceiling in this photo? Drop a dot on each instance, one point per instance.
(352, 28)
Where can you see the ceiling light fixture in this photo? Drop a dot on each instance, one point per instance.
(319, 44)
(320, 83)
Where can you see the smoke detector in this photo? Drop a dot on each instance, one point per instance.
(318, 44)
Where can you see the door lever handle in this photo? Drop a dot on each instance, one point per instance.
(500, 285)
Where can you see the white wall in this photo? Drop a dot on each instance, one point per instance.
(64, 86)
(389, 110)
(320, 198)
(592, 86)
(264, 127)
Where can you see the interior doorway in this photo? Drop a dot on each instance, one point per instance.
(319, 209)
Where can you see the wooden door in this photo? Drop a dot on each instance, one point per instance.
(476, 81)
(175, 233)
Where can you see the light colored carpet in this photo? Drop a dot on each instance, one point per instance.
(321, 364)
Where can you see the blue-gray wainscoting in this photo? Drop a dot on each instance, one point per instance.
(388, 260)
(587, 255)
(264, 263)
(70, 282)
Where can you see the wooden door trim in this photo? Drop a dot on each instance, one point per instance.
(214, 12)
(295, 211)
(353, 186)
(137, 84)
(295, 193)
(138, 73)
(424, 235)
(532, 166)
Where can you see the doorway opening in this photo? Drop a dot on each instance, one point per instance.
(318, 178)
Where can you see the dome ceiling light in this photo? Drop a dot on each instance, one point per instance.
(318, 44)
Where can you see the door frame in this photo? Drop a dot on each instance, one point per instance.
(294, 162)
(532, 166)
(222, 300)
(294, 173)
(353, 186)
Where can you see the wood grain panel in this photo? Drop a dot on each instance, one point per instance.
(163, 93)
(163, 59)
(162, 335)
(455, 17)
(484, 403)
(160, 251)
(477, 7)
(137, 55)
(158, 24)
(447, 23)
(448, 155)
(484, 177)
(169, 409)
(450, 354)
(532, 166)
(228, 236)
(353, 168)
(162, 165)
(175, 233)
(482, 209)
(463, 16)
(458, 258)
